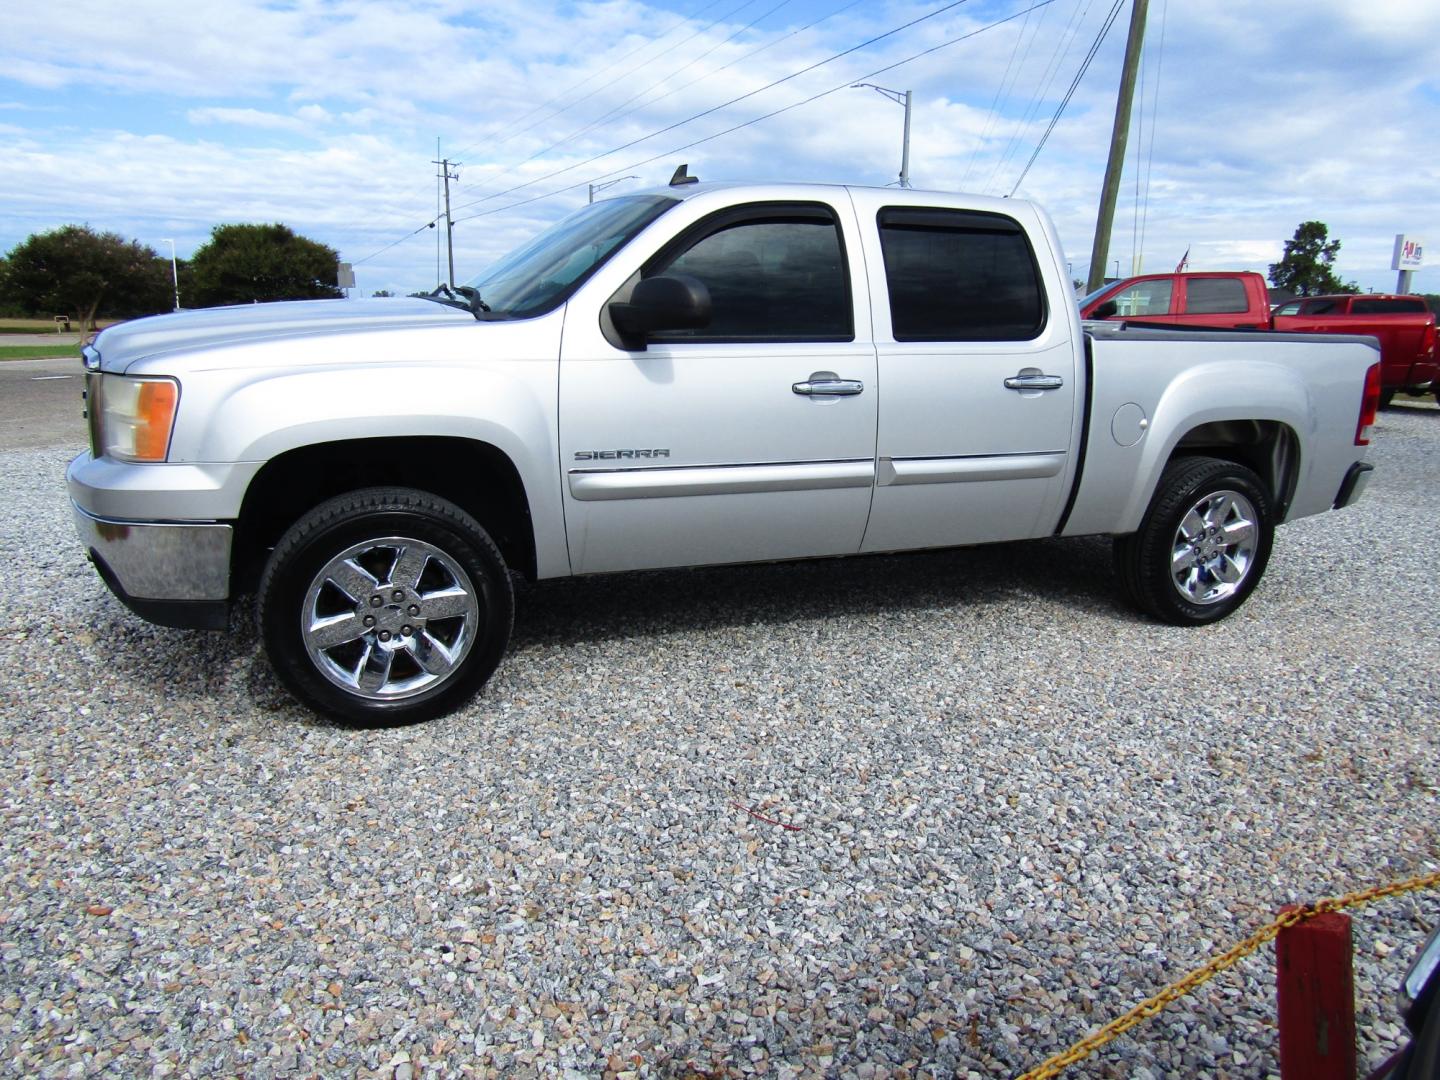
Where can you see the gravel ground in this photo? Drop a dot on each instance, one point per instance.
(1010, 810)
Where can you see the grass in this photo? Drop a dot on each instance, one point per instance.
(14, 325)
(36, 352)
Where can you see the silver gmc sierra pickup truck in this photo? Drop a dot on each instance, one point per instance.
(699, 374)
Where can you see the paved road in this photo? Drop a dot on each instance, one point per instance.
(40, 403)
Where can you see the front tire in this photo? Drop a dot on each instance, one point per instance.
(385, 606)
(1202, 546)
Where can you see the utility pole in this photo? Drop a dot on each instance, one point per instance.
(449, 225)
(1119, 136)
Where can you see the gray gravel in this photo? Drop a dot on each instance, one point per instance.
(1016, 809)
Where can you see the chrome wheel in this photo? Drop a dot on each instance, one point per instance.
(1214, 547)
(389, 618)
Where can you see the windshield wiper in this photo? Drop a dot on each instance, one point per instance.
(444, 294)
(449, 296)
(472, 295)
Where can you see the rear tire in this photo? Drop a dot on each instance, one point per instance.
(1386, 398)
(385, 606)
(1202, 546)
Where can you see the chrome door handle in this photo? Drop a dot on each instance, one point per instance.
(1034, 382)
(833, 387)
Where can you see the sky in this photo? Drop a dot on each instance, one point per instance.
(159, 120)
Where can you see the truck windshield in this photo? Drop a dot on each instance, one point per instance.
(543, 273)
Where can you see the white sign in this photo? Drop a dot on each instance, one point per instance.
(1409, 253)
(344, 276)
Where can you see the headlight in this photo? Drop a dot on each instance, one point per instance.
(136, 416)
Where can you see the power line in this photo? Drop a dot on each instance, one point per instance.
(387, 247)
(737, 127)
(684, 20)
(606, 116)
(994, 106)
(645, 44)
(1062, 50)
(1075, 82)
(733, 101)
(787, 108)
(710, 74)
(1024, 61)
(1154, 114)
(623, 75)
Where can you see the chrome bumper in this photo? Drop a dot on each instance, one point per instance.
(148, 561)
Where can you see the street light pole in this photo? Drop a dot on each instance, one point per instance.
(907, 99)
(601, 187)
(174, 272)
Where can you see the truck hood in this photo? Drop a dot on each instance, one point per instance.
(120, 346)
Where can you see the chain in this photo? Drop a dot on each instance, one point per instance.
(1152, 1006)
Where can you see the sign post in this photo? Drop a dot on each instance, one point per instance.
(1409, 256)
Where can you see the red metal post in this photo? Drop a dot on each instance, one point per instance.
(1315, 985)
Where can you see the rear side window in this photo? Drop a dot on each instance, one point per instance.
(1215, 296)
(1387, 307)
(1323, 307)
(957, 275)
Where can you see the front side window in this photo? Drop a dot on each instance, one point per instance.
(956, 275)
(772, 277)
(1215, 296)
(1144, 298)
(1329, 306)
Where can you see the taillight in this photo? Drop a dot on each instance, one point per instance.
(1427, 343)
(1369, 406)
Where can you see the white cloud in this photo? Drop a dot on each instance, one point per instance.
(325, 116)
(253, 118)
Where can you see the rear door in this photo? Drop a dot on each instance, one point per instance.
(980, 378)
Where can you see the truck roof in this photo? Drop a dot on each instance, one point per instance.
(788, 190)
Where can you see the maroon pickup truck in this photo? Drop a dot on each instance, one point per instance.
(1403, 325)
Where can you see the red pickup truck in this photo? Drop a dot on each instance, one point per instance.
(1403, 325)
(1224, 300)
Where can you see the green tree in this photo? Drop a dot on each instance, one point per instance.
(1305, 268)
(243, 263)
(68, 270)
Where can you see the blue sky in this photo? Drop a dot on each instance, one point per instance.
(157, 119)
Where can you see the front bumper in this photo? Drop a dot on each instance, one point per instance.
(171, 574)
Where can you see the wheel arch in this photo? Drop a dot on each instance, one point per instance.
(477, 476)
(1269, 448)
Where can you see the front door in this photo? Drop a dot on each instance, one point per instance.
(752, 438)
